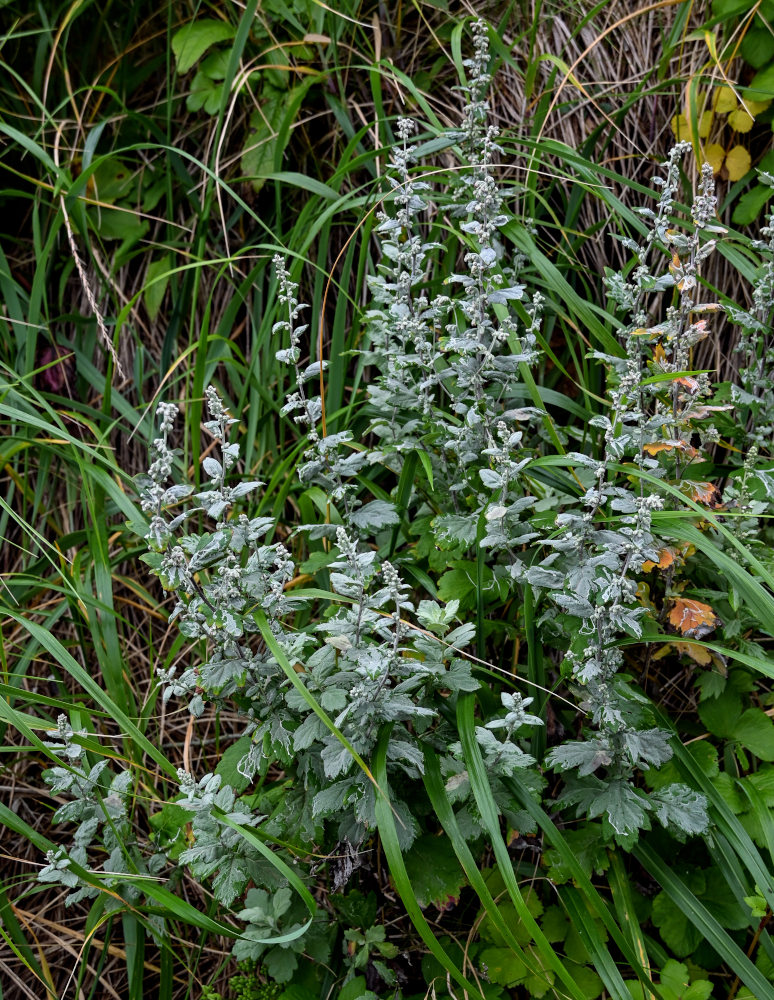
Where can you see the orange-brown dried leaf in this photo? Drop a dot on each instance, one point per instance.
(693, 618)
(666, 558)
(706, 493)
(691, 385)
(654, 447)
(699, 654)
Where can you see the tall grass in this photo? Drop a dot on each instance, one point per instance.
(176, 245)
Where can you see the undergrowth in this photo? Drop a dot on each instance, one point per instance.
(456, 664)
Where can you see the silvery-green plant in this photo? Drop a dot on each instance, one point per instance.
(486, 443)
(215, 574)
(387, 659)
(602, 556)
(362, 664)
(98, 800)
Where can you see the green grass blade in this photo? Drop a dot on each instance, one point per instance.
(68, 663)
(388, 834)
(299, 685)
(705, 923)
(447, 819)
(490, 817)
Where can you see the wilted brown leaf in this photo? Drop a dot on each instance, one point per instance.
(670, 555)
(666, 558)
(693, 618)
(706, 493)
(691, 385)
(654, 447)
(701, 411)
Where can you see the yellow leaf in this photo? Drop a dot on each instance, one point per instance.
(680, 127)
(755, 107)
(714, 154)
(724, 101)
(700, 654)
(740, 120)
(737, 163)
(651, 331)
(705, 124)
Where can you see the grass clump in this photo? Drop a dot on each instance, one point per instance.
(444, 689)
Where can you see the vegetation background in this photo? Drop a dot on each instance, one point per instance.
(155, 158)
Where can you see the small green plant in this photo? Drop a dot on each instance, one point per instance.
(245, 984)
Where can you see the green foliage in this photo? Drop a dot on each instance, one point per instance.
(676, 983)
(468, 592)
(245, 984)
(435, 872)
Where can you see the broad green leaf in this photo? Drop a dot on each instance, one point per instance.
(587, 846)
(435, 872)
(761, 86)
(502, 966)
(206, 91)
(156, 283)
(192, 40)
(751, 205)
(227, 765)
(755, 731)
(261, 150)
(680, 936)
(676, 983)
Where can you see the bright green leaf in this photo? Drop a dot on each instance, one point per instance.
(191, 42)
(755, 731)
(502, 966)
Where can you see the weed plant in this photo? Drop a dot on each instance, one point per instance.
(359, 711)
(474, 686)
